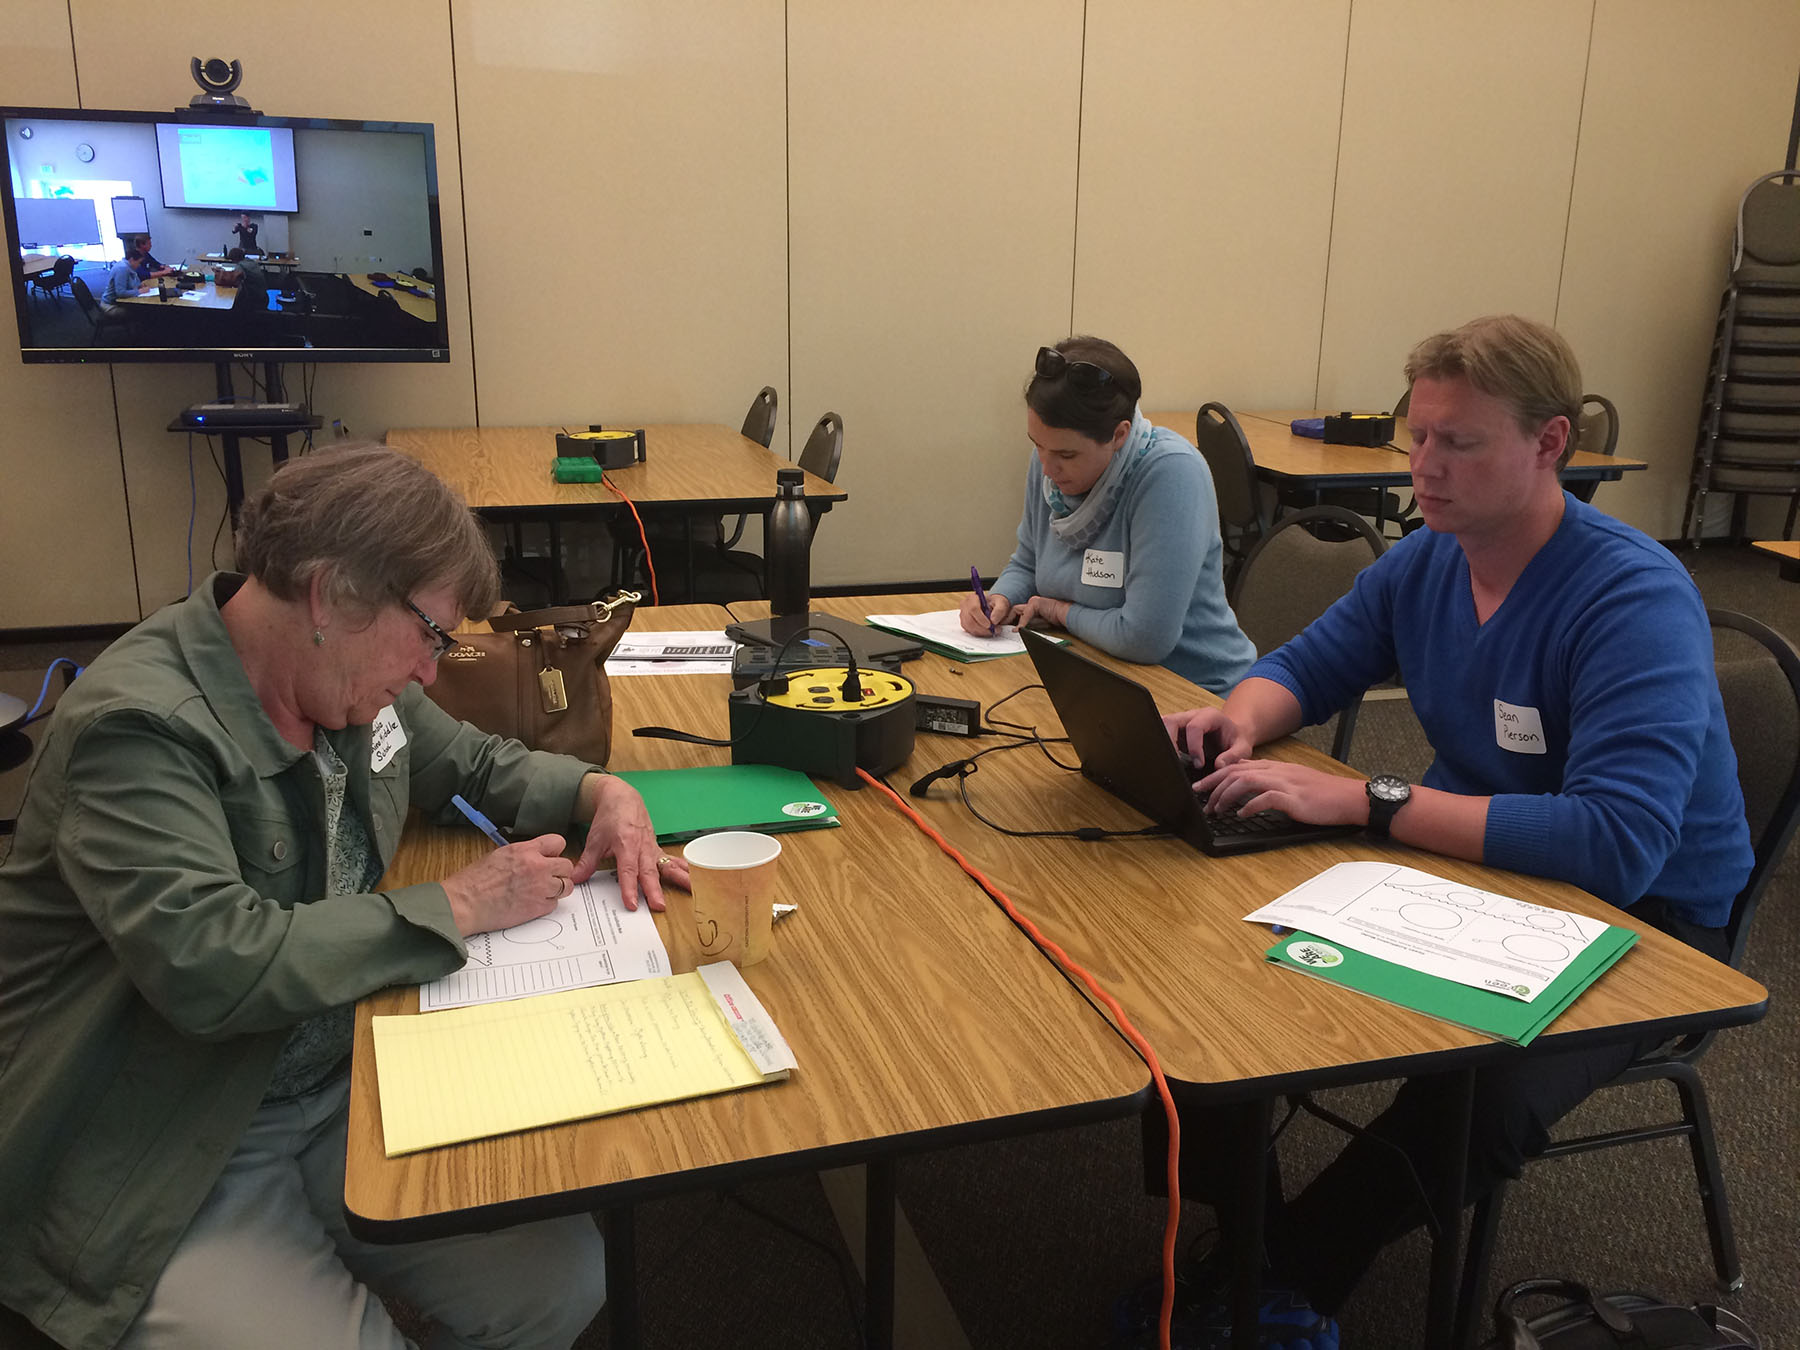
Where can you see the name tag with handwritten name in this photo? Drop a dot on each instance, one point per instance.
(1519, 729)
(1100, 567)
(386, 736)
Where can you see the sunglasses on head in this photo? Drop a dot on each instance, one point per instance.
(1052, 364)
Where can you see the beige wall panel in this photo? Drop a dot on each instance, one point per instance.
(1208, 148)
(1681, 114)
(1460, 123)
(397, 68)
(626, 208)
(933, 190)
(64, 547)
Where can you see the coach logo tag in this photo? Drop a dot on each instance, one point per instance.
(550, 686)
(1519, 729)
(386, 736)
(1099, 567)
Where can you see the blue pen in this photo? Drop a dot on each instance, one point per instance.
(981, 595)
(478, 820)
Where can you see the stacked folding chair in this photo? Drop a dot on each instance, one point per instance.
(1749, 439)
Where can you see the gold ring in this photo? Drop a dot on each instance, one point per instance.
(664, 861)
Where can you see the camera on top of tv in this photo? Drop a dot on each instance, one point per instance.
(218, 79)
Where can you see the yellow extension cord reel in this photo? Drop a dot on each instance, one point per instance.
(804, 720)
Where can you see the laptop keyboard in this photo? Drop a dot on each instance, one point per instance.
(1228, 832)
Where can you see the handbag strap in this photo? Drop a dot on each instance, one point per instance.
(558, 616)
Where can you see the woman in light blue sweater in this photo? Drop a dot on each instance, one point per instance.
(1119, 542)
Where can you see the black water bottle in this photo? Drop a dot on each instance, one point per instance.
(787, 545)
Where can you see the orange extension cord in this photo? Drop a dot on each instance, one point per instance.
(649, 562)
(1172, 1224)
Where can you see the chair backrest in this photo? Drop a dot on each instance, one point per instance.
(1598, 431)
(1404, 402)
(1759, 679)
(1293, 576)
(61, 271)
(1227, 454)
(1768, 224)
(84, 297)
(759, 422)
(824, 448)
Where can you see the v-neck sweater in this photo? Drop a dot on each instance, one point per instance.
(1586, 706)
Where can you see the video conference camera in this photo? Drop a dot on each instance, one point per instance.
(217, 79)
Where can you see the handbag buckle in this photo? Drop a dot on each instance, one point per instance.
(603, 608)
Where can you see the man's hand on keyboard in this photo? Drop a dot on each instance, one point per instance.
(1190, 730)
(1248, 786)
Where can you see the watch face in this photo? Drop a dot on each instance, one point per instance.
(1388, 788)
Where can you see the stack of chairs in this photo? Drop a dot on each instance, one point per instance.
(1749, 438)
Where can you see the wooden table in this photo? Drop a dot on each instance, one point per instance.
(1163, 924)
(419, 307)
(1291, 461)
(31, 264)
(265, 261)
(920, 1017)
(203, 295)
(689, 469)
(1787, 551)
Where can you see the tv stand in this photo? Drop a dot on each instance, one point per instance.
(278, 421)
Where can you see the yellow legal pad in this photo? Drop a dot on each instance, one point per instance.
(494, 1068)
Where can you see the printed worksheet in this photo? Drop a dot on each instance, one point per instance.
(943, 628)
(673, 653)
(590, 938)
(1445, 928)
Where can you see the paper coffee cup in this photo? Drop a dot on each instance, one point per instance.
(732, 874)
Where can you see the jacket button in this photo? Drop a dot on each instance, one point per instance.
(280, 849)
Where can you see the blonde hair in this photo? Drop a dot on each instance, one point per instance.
(376, 526)
(1527, 365)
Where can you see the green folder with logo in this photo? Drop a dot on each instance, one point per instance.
(1480, 1010)
(684, 803)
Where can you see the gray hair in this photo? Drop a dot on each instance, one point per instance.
(374, 525)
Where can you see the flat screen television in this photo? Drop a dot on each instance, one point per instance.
(334, 224)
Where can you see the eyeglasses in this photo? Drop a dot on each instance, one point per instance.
(1052, 364)
(442, 641)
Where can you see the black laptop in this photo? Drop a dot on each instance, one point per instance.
(1119, 737)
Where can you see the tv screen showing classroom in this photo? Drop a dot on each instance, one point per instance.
(270, 238)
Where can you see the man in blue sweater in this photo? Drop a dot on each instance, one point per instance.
(1561, 666)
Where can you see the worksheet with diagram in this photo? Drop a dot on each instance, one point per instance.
(1445, 928)
(590, 938)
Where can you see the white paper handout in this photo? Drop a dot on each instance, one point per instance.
(589, 938)
(1445, 928)
(943, 628)
(674, 653)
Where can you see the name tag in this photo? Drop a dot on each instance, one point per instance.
(1519, 729)
(1101, 568)
(386, 736)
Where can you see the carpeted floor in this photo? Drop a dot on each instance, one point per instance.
(1032, 1238)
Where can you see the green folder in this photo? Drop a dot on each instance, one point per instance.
(1482, 1010)
(685, 803)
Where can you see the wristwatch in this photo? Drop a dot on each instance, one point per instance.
(1387, 794)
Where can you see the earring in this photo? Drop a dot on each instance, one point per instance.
(318, 638)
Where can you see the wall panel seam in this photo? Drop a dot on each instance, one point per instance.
(1587, 69)
(1337, 164)
(787, 217)
(1075, 221)
(462, 199)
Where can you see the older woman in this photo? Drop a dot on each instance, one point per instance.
(1119, 542)
(188, 917)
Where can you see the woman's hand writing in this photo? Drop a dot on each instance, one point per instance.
(510, 885)
(975, 622)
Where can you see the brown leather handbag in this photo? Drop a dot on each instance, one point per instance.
(540, 676)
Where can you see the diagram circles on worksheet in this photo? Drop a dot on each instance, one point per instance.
(1535, 947)
(1422, 915)
(534, 932)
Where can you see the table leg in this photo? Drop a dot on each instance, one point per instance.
(1447, 1207)
(558, 593)
(1250, 1145)
(687, 538)
(878, 1255)
(620, 1227)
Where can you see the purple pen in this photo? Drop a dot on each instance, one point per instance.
(981, 595)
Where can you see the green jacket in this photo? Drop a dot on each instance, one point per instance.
(163, 924)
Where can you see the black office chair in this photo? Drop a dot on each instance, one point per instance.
(56, 279)
(1300, 568)
(1243, 511)
(107, 323)
(759, 426)
(1759, 677)
(1597, 433)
